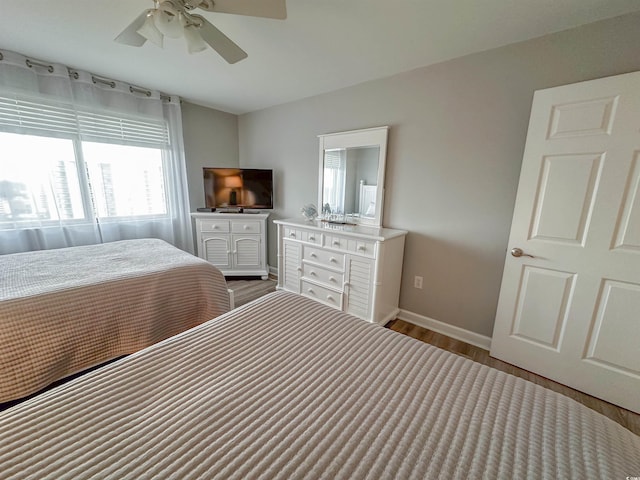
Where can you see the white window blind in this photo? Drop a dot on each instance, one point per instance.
(20, 115)
(107, 128)
(23, 116)
(333, 159)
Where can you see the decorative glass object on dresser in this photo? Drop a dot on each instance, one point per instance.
(346, 259)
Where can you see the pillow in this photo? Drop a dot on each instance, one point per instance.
(371, 209)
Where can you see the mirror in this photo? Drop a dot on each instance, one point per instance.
(351, 177)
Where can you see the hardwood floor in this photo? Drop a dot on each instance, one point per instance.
(246, 289)
(249, 289)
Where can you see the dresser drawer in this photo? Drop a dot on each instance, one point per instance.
(363, 248)
(322, 275)
(245, 227)
(338, 243)
(350, 244)
(323, 257)
(292, 233)
(308, 236)
(322, 294)
(311, 237)
(214, 225)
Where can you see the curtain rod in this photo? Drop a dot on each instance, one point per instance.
(31, 63)
(112, 84)
(74, 74)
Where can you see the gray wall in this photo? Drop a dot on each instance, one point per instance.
(210, 140)
(455, 147)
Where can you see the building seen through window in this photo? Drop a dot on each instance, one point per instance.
(56, 179)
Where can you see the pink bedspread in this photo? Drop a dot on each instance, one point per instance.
(65, 310)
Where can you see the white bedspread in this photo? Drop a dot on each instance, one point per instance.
(287, 388)
(62, 311)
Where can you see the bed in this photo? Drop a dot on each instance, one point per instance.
(285, 387)
(65, 310)
(367, 199)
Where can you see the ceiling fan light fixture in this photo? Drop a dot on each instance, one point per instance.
(130, 36)
(169, 20)
(149, 30)
(174, 19)
(194, 40)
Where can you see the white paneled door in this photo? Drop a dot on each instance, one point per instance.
(569, 305)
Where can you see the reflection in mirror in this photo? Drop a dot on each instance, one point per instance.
(352, 176)
(350, 180)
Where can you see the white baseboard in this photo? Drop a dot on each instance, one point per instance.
(452, 331)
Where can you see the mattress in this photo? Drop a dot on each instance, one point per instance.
(285, 387)
(65, 310)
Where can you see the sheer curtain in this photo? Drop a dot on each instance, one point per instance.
(335, 174)
(85, 160)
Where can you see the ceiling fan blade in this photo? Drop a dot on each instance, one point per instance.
(130, 35)
(222, 44)
(253, 8)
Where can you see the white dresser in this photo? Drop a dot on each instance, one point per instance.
(353, 268)
(236, 243)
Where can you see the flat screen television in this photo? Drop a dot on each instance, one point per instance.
(238, 188)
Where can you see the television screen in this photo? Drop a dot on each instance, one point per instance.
(238, 188)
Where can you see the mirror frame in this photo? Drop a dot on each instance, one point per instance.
(368, 137)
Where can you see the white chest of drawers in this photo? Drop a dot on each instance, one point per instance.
(356, 269)
(236, 243)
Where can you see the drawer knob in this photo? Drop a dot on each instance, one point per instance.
(332, 279)
(312, 255)
(330, 298)
(333, 259)
(336, 242)
(299, 269)
(292, 234)
(312, 238)
(310, 290)
(246, 227)
(312, 273)
(362, 247)
(215, 227)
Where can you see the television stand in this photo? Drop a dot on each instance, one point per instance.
(236, 244)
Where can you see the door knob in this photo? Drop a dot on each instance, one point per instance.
(517, 252)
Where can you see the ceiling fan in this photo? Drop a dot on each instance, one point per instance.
(174, 19)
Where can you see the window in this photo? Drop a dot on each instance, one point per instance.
(125, 180)
(43, 179)
(38, 179)
(87, 160)
(62, 165)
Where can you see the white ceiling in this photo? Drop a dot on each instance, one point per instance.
(322, 46)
